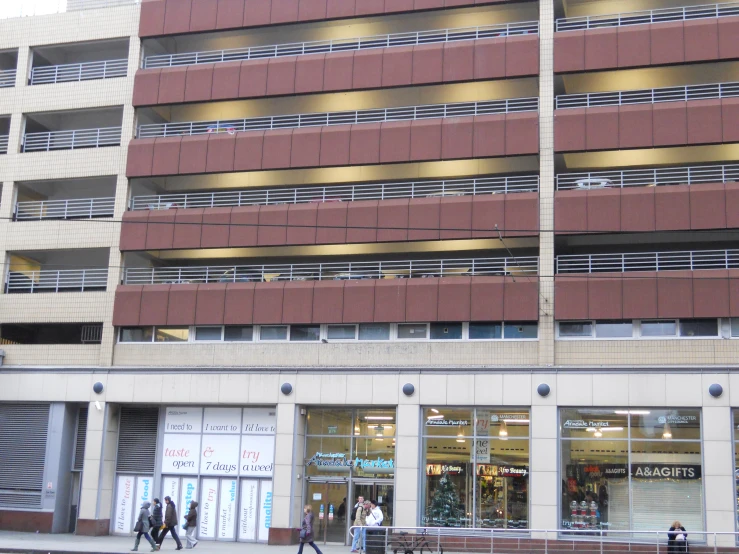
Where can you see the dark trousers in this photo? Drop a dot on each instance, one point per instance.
(174, 536)
(155, 533)
(300, 548)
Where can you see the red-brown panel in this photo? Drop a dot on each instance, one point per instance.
(368, 7)
(635, 126)
(220, 158)
(486, 298)
(421, 299)
(522, 55)
(711, 293)
(253, 78)
(395, 141)
(397, 66)
(459, 61)
(521, 133)
(367, 69)
(152, 18)
(216, 227)
(569, 130)
(306, 147)
(335, 145)
(670, 123)
(668, 43)
(340, 8)
(637, 209)
(177, 17)
(309, 73)
(730, 117)
(230, 13)
(569, 51)
(181, 305)
(604, 210)
(203, 15)
(456, 217)
(146, 87)
(297, 306)
(364, 147)
(601, 128)
(210, 304)
(243, 226)
(284, 11)
(187, 229)
(423, 219)
(248, 151)
(160, 230)
(427, 4)
(674, 294)
(521, 214)
(199, 82)
(276, 151)
(172, 85)
(490, 58)
(140, 157)
(392, 6)
(281, 75)
(634, 46)
(359, 301)
(704, 121)
(301, 221)
(455, 294)
(707, 206)
(734, 292)
(127, 305)
(154, 301)
(272, 225)
(489, 136)
(133, 230)
(193, 154)
(331, 223)
(268, 300)
(311, 10)
(226, 80)
(457, 135)
(392, 220)
(728, 30)
(732, 205)
(672, 207)
(426, 139)
(328, 301)
(338, 71)
(428, 64)
(701, 39)
(361, 221)
(571, 297)
(239, 304)
(166, 156)
(390, 300)
(571, 211)
(601, 48)
(521, 299)
(488, 215)
(605, 296)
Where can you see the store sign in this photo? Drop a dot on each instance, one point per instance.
(677, 419)
(665, 471)
(183, 420)
(259, 421)
(339, 460)
(257, 455)
(208, 513)
(227, 510)
(219, 455)
(124, 504)
(181, 454)
(447, 422)
(605, 470)
(265, 511)
(502, 471)
(221, 421)
(441, 469)
(495, 418)
(482, 451)
(582, 424)
(248, 513)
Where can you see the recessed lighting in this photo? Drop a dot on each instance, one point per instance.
(632, 412)
(435, 410)
(383, 418)
(435, 417)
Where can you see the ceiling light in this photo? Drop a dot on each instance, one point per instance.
(435, 410)
(378, 417)
(503, 432)
(598, 433)
(612, 429)
(435, 417)
(667, 433)
(632, 412)
(515, 420)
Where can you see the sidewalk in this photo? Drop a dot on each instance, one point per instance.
(33, 543)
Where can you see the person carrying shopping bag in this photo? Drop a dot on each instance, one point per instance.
(170, 524)
(142, 527)
(306, 530)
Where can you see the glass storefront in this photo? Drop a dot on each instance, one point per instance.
(631, 468)
(735, 426)
(477, 468)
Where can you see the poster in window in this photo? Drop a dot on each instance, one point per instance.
(208, 508)
(124, 505)
(227, 510)
(183, 420)
(144, 492)
(248, 514)
(221, 421)
(265, 511)
(482, 451)
(188, 493)
(259, 421)
(257, 456)
(181, 454)
(220, 455)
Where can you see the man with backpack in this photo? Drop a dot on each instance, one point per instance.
(358, 518)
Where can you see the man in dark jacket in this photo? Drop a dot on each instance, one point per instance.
(156, 519)
(170, 522)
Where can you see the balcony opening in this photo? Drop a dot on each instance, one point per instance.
(79, 62)
(8, 67)
(65, 199)
(4, 132)
(82, 270)
(51, 333)
(72, 130)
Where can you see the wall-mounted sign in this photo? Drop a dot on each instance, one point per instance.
(219, 455)
(183, 420)
(665, 471)
(495, 418)
(259, 421)
(333, 429)
(218, 421)
(582, 424)
(248, 514)
(448, 422)
(440, 469)
(181, 454)
(605, 470)
(489, 470)
(339, 460)
(257, 455)
(675, 419)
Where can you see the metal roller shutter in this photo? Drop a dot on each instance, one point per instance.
(23, 430)
(137, 440)
(79, 444)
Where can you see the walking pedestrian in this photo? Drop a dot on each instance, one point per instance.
(360, 520)
(677, 539)
(306, 531)
(156, 519)
(142, 528)
(191, 519)
(170, 523)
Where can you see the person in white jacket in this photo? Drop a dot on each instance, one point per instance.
(374, 518)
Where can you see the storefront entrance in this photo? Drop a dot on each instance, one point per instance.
(381, 491)
(331, 510)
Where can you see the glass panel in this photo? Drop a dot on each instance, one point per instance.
(367, 422)
(449, 482)
(412, 330)
(479, 331)
(735, 326)
(374, 457)
(238, 333)
(501, 424)
(374, 331)
(575, 329)
(447, 421)
(328, 456)
(502, 486)
(275, 332)
(666, 424)
(172, 334)
(137, 334)
(699, 328)
(342, 332)
(305, 333)
(441, 331)
(599, 424)
(520, 330)
(327, 499)
(207, 333)
(614, 329)
(330, 422)
(658, 328)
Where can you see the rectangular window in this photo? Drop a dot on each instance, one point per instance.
(576, 329)
(614, 329)
(374, 331)
(442, 331)
(137, 334)
(207, 333)
(520, 330)
(699, 327)
(658, 328)
(735, 326)
(172, 334)
(273, 332)
(482, 331)
(412, 330)
(238, 333)
(305, 333)
(342, 332)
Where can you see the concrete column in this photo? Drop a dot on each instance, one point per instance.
(7, 201)
(718, 471)
(58, 464)
(408, 476)
(286, 487)
(543, 457)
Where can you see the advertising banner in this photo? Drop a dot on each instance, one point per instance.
(227, 510)
(124, 505)
(257, 455)
(183, 420)
(265, 511)
(208, 509)
(482, 451)
(144, 492)
(181, 454)
(218, 421)
(220, 455)
(189, 492)
(259, 421)
(248, 513)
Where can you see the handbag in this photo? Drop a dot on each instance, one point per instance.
(303, 533)
(138, 527)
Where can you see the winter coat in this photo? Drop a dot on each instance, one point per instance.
(675, 546)
(375, 517)
(170, 515)
(308, 527)
(361, 517)
(144, 517)
(156, 514)
(192, 516)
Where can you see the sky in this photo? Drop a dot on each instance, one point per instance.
(15, 8)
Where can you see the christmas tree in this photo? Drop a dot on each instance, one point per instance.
(444, 508)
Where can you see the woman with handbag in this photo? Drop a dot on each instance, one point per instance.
(191, 520)
(142, 528)
(306, 530)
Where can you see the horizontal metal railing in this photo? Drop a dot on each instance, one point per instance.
(79, 72)
(346, 193)
(648, 16)
(332, 271)
(49, 280)
(648, 261)
(649, 177)
(343, 44)
(405, 113)
(3, 144)
(78, 208)
(648, 96)
(70, 140)
(7, 78)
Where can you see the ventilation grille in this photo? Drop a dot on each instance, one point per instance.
(137, 440)
(28, 500)
(79, 444)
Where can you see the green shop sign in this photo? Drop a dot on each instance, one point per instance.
(339, 461)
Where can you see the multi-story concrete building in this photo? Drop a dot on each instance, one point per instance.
(406, 249)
